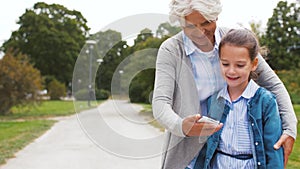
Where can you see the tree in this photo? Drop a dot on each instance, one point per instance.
(141, 63)
(166, 29)
(20, 82)
(283, 33)
(256, 28)
(112, 49)
(52, 37)
(143, 35)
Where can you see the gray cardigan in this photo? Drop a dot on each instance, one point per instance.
(175, 97)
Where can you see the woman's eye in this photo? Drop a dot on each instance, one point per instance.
(190, 26)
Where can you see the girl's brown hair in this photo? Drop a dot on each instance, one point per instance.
(242, 38)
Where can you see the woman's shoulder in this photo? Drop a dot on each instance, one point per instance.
(173, 40)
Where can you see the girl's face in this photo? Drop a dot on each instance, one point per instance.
(236, 66)
(200, 30)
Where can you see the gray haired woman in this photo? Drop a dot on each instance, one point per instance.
(188, 72)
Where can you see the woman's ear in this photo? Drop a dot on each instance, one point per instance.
(254, 64)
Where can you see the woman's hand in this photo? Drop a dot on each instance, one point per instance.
(191, 127)
(287, 142)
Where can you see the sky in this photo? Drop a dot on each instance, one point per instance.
(100, 14)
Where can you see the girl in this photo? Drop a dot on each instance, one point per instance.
(250, 115)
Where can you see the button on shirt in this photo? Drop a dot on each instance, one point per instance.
(235, 136)
(206, 70)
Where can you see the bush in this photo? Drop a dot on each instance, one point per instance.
(56, 89)
(19, 82)
(82, 94)
(102, 94)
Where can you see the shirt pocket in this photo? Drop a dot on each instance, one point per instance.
(243, 137)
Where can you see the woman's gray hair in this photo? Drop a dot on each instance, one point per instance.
(210, 9)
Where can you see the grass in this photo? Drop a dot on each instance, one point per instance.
(46, 109)
(294, 159)
(27, 123)
(147, 112)
(14, 135)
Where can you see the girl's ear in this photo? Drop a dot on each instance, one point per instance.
(254, 64)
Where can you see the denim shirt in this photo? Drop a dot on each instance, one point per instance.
(265, 130)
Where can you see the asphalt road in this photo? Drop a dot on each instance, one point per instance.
(111, 136)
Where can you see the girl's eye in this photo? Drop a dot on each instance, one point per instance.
(225, 64)
(240, 66)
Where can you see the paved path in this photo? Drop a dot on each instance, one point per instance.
(112, 136)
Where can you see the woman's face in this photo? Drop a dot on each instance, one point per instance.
(200, 30)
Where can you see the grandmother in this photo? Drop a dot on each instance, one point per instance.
(188, 72)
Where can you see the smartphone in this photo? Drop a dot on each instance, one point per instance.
(205, 119)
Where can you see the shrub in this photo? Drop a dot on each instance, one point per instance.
(82, 94)
(56, 89)
(102, 94)
(19, 82)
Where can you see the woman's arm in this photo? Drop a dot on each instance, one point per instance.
(164, 90)
(268, 79)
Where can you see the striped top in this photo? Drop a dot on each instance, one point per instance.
(235, 136)
(206, 69)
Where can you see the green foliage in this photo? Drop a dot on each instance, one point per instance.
(142, 65)
(112, 50)
(256, 28)
(143, 35)
(102, 94)
(82, 94)
(291, 80)
(166, 29)
(141, 87)
(56, 89)
(19, 82)
(52, 36)
(283, 32)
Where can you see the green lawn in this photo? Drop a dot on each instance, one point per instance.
(15, 135)
(294, 160)
(46, 109)
(26, 123)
